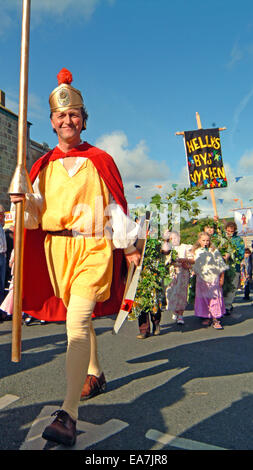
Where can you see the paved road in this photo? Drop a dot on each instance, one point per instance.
(189, 388)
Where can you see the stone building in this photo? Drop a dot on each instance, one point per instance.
(8, 149)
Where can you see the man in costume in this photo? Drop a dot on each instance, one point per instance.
(77, 223)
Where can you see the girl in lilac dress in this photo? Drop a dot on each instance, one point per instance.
(209, 268)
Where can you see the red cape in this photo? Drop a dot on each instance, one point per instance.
(39, 300)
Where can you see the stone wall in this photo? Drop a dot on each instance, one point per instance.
(8, 149)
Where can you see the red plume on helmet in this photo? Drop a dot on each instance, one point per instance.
(64, 76)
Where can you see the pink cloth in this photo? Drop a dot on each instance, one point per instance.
(209, 302)
(7, 304)
(176, 292)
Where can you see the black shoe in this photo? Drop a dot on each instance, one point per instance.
(3, 315)
(8, 318)
(62, 430)
(228, 311)
(30, 320)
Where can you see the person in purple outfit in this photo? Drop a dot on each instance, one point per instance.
(209, 268)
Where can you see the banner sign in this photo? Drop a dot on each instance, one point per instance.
(244, 221)
(204, 158)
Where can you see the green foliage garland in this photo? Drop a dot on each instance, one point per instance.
(155, 276)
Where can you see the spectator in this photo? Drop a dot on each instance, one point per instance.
(3, 250)
(238, 243)
(247, 269)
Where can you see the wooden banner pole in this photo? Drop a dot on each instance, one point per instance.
(211, 189)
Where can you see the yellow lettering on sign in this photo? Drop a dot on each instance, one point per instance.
(197, 160)
(196, 176)
(201, 142)
(221, 173)
(215, 141)
(190, 146)
(204, 174)
(215, 173)
(196, 146)
(207, 141)
(203, 157)
(193, 177)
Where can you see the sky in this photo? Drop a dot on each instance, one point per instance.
(144, 67)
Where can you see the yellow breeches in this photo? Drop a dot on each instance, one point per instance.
(80, 266)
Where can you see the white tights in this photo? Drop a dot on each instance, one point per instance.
(81, 355)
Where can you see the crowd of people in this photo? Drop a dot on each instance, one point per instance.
(206, 273)
(199, 267)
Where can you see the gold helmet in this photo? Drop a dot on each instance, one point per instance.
(64, 96)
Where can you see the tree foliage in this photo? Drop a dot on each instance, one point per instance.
(155, 275)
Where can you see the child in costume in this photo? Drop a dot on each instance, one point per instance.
(209, 268)
(176, 292)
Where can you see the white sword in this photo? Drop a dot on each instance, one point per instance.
(133, 277)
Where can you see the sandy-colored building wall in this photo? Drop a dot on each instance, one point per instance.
(8, 149)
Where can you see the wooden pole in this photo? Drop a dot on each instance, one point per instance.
(211, 189)
(20, 184)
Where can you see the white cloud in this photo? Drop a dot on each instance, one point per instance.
(246, 161)
(60, 9)
(134, 164)
(236, 55)
(6, 21)
(239, 110)
(136, 167)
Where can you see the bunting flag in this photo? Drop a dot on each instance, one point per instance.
(237, 178)
(138, 197)
(174, 186)
(204, 158)
(158, 186)
(203, 198)
(221, 200)
(137, 186)
(235, 200)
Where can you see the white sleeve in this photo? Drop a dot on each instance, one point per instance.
(121, 228)
(33, 207)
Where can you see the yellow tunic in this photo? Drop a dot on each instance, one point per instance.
(81, 265)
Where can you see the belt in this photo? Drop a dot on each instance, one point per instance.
(61, 233)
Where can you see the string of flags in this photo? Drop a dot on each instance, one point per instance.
(216, 156)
